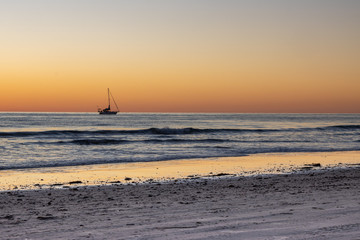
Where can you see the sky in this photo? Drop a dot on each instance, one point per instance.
(281, 56)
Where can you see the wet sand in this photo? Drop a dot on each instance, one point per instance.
(311, 203)
(102, 174)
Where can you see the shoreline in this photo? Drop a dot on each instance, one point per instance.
(174, 170)
(308, 205)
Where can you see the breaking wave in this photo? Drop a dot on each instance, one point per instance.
(169, 131)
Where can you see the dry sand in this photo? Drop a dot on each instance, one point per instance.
(322, 204)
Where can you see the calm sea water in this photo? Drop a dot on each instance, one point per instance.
(34, 140)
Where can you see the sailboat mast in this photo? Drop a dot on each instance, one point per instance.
(109, 97)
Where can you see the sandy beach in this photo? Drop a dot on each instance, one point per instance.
(315, 204)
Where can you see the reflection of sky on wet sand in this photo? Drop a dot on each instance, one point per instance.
(171, 170)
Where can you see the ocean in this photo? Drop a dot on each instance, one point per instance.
(38, 140)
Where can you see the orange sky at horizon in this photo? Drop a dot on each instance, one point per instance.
(234, 57)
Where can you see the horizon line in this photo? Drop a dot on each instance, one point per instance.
(140, 112)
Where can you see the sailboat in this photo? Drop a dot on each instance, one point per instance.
(108, 109)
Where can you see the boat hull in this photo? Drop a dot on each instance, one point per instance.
(108, 113)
